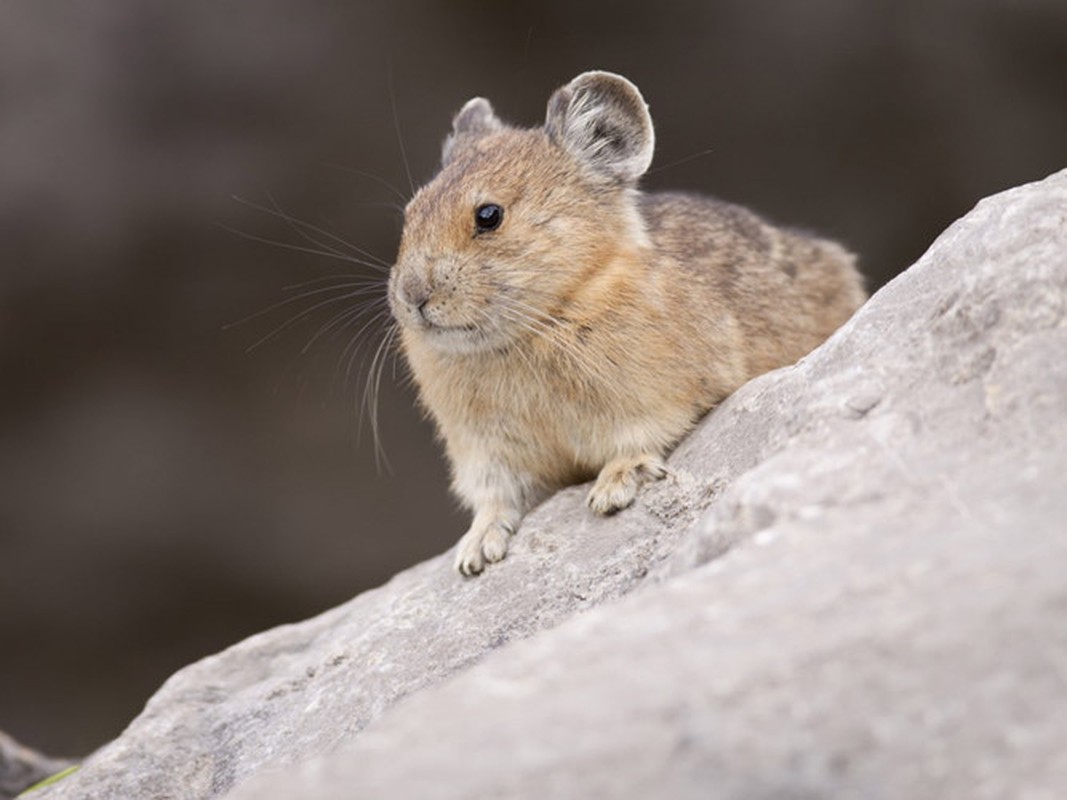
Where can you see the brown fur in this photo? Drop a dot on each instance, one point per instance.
(589, 332)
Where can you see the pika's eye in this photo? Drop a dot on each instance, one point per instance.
(488, 217)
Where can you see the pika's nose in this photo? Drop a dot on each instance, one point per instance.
(415, 292)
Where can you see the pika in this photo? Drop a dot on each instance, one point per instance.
(563, 326)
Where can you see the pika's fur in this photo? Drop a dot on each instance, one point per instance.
(563, 326)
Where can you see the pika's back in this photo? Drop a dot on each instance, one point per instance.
(789, 290)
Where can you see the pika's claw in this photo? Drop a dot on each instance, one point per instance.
(481, 545)
(617, 484)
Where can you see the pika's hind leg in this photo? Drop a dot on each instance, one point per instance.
(617, 484)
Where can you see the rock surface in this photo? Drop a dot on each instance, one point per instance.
(853, 586)
(21, 766)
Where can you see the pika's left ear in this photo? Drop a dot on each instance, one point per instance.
(473, 121)
(601, 119)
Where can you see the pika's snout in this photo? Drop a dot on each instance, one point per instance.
(426, 300)
(413, 291)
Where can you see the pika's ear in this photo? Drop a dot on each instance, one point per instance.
(473, 121)
(602, 120)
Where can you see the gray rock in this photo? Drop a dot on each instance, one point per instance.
(852, 586)
(22, 767)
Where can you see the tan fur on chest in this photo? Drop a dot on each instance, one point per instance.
(600, 379)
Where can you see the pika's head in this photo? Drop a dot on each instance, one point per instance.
(516, 220)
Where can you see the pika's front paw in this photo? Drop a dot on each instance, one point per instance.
(481, 545)
(617, 484)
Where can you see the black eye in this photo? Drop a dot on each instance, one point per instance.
(488, 217)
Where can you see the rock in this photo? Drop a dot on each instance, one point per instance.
(21, 767)
(852, 586)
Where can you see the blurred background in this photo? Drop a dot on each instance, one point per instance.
(170, 481)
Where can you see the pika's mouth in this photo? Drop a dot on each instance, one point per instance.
(455, 338)
(418, 314)
(435, 327)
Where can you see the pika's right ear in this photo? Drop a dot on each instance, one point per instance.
(473, 121)
(601, 119)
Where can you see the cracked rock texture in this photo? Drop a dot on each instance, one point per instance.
(853, 585)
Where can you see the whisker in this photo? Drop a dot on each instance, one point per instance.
(299, 226)
(301, 249)
(301, 315)
(396, 125)
(291, 222)
(547, 327)
(343, 320)
(382, 204)
(377, 178)
(371, 394)
(354, 276)
(357, 341)
(364, 289)
(518, 349)
(368, 399)
(297, 229)
(681, 161)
